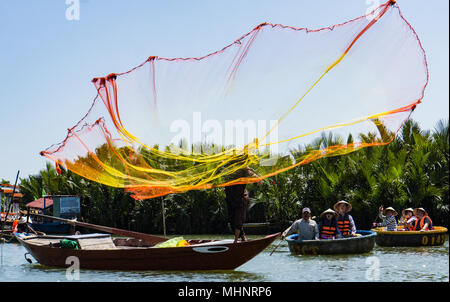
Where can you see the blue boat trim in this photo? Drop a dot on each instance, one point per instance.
(363, 233)
(51, 227)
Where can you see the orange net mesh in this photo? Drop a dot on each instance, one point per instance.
(265, 101)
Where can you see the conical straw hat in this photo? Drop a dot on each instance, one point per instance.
(408, 209)
(390, 209)
(349, 206)
(329, 211)
(420, 209)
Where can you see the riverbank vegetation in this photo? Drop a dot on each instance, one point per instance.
(411, 171)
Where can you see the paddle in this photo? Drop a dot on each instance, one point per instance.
(282, 238)
(151, 239)
(33, 231)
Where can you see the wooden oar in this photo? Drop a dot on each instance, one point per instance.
(282, 238)
(151, 239)
(277, 246)
(33, 231)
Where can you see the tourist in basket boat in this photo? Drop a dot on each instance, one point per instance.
(388, 217)
(345, 221)
(408, 219)
(306, 228)
(328, 228)
(423, 222)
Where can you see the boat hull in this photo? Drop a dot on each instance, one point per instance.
(411, 238)
(353, 245)
(226, 256)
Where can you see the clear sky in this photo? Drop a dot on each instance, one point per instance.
(47, 61)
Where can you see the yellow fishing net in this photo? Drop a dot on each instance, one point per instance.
(264, 101)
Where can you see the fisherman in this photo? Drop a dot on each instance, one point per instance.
(388, 217)
(408, 219)
(306, 228)
(345, 221)
(328, 228)
(423, 221)
(237, 201)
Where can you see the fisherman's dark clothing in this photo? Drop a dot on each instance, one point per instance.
(236, 205)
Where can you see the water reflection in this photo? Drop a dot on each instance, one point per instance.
(182, 276)
(143, 276)
(422, 251)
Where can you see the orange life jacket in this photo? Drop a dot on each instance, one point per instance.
(422, 223)
(327, 232)
(411, 226)
(344, 224)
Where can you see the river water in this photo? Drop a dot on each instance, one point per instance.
(382, 264)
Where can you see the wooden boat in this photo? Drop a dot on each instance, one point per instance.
(101, 251)
(350, 245)
(437, 236)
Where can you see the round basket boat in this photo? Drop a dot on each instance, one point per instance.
(351, 245)
(437, 236)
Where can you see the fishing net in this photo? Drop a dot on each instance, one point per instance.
(276, 98)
